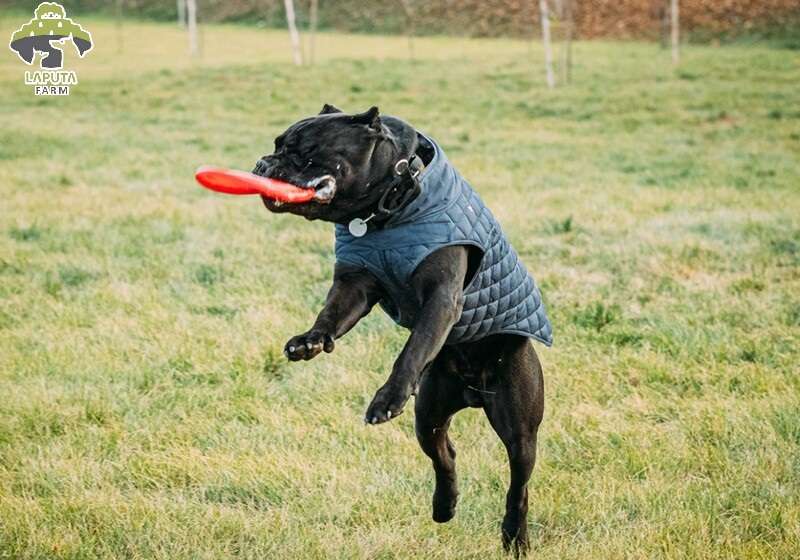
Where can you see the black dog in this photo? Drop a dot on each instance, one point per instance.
(422, 244)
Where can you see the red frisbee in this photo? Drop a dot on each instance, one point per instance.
(231, 181)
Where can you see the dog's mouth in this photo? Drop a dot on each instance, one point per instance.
(324, 186)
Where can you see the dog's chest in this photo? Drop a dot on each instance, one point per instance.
(501, 298)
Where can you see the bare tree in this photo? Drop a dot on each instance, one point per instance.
(663, 15)
(191, 17)
(313, 24)
(297, 54)
(527, 16)
(181, 13)
(675, 19)
(548, 50)
(118, 18)
(409, 12)
(566, 49)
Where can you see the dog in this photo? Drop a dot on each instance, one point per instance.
(414, 237)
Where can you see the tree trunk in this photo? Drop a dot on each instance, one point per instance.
(191, 16)
(314, 17)
(675, 18)
(528, 17)
(407, 9)
(118, 18)
(566, 51)
(297, 55)
(664, 23)
(548, 50)
(181, 13)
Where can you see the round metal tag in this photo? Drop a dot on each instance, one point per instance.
(357, 227)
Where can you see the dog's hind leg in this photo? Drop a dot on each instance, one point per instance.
(440, 395)
(515, 409)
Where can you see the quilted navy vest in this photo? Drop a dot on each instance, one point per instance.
(501, 298)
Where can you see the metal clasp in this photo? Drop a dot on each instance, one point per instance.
(402, 166)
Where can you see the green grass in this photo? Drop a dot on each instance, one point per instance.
(147, 411)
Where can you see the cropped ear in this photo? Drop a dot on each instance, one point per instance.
(328, 109)
(371, 117)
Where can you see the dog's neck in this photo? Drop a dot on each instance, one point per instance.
(399, 187)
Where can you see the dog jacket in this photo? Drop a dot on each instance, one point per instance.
(500, 298)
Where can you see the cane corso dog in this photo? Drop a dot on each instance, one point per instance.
(414, 237)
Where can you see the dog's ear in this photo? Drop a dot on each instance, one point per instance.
(328, 109)
(371, 117)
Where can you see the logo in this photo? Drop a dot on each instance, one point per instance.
(46, 34)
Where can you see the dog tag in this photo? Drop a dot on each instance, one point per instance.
(357, 227)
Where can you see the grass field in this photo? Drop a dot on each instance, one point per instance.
(146, 410)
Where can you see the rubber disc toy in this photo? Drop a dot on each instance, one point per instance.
(231, 181)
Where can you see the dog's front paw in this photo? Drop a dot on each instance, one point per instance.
(307, 345)
(387, 403)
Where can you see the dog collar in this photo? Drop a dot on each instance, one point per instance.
(408, 171)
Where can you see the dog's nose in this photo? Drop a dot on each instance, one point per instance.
(261, 167)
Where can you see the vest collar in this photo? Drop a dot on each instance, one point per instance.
(433, 186)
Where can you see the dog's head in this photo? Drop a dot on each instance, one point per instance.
(347, 159)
